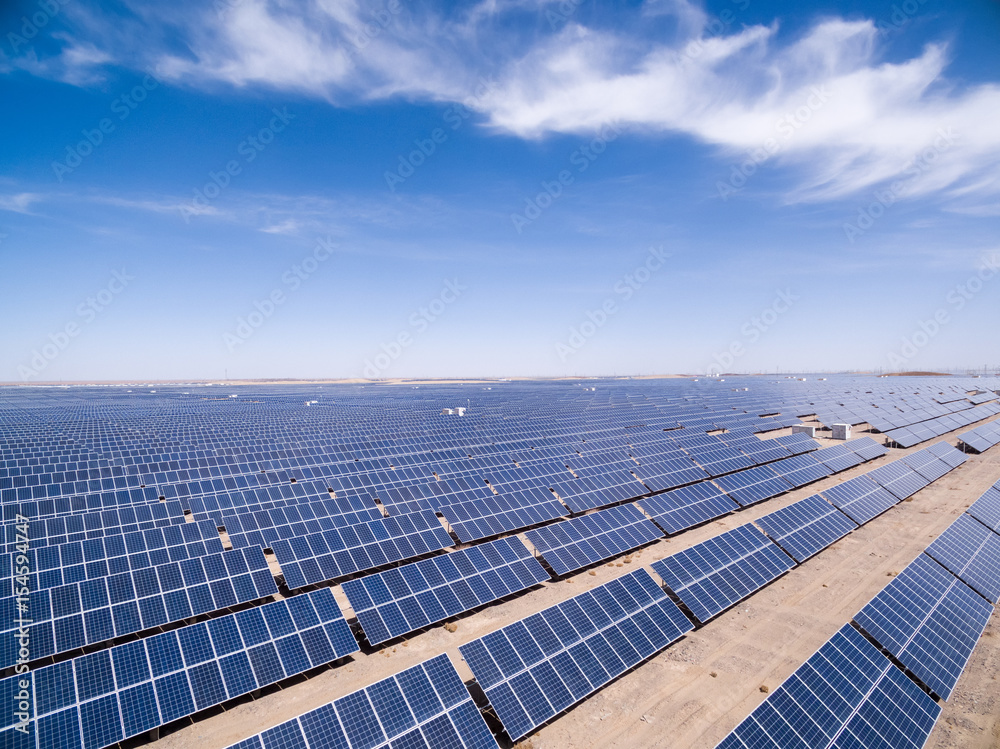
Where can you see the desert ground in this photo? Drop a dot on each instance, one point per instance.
(694, 692)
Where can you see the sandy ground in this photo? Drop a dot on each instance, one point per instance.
(694, 692)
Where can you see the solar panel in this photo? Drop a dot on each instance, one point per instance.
(104, 697)
(713, 575)
(898, 479)
(866, 448)
(535, 668)
(860, 498)
(971, 552)
(754, 484)
(950, 455)
(86, 613)
(846, 695)
(926, 464)
(838, 458)
(61, 564)
(343, 551)
(482, 518)
(688, 506)
(405, 599)
(986, 509)
(575, 543)
(800, 470)
(424, 706)
(929, 620)
(806, 527)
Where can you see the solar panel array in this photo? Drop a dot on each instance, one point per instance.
(711, 576)
(860, 498)
(576, 543)
(986, 509)
(101, 698)
(982, 438)
(110, 479)
(971, 552)
(846, 695)
(929, 621)
(339, 552)
(424, 706)
(806, 527)
(535, 668)
(407, 598)
(93, 611)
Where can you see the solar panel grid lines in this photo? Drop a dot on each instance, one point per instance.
(860, 498)
(806, 527)
(688, 506)
(331, 554)
(510, 511)
(986, 509)
(866, 448)
(838, 458)
(578, 542)
(99, 699)
(711, 576)
(847, 694)
(402, 600)
(52, 566)
(926, 464)
(898, 479)
(72, 616)
(754, 484)
(947, 453)
(801, 469)
(536, 668)
(797, 443)
(971, 552)
(424, 706)
(929, 620)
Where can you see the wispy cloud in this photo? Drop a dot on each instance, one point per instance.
(662, 70)
(20, 202)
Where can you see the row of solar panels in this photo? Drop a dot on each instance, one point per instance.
(982, 438)
(909, 436)
(928, 620)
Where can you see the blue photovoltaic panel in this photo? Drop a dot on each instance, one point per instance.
(986, 509)
(797, 443)
(71, 616)
(754, 484)
(838, 458)
(926, 464)
(929, 620)
(336, 553)
(535, 668)
(846, 695)
(482, 518)
(713, 575)
(424, 707)
(860, 498)
(572, 544)
(867, 448)
(806, 527)
(971, 552)
(404, 599)
(949, 454)
(898, 478)
(104, 697)
(687, 507)
(800, 470)
(61, 564)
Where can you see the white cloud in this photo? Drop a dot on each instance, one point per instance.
(844, 120)
(19, 203)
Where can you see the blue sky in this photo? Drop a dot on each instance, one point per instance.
(410, 189)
